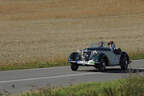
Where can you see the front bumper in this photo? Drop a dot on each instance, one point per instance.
(85, 63)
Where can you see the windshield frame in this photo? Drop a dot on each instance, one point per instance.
(96, 45)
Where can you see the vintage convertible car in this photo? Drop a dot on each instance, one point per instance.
(99, 57)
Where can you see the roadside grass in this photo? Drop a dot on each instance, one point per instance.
(139, 54)
(132, 86)
(61, 61)
(46, 28)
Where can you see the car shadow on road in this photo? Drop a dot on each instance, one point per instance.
(116, 70)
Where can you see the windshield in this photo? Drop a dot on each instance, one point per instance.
(96, 44)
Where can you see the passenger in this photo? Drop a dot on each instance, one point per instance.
(111, 45)
(100, 44)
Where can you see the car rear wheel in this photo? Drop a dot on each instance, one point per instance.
(102, 65)
(124, 63)
(74, 67)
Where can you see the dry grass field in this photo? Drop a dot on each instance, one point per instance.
(38, 30)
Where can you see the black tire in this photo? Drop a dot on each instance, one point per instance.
(124, 63)
(102, 65)
(74, 67)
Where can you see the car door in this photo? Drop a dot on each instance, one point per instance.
(116, 59)
(112, 57)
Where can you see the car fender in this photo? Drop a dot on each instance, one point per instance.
(72, 56)
(124, 54)
(102, 55)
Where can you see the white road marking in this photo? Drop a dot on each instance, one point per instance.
(50, 77)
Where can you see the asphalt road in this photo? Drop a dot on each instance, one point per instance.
(21, 80)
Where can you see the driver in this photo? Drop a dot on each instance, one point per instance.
(100, 44)
(111, 45)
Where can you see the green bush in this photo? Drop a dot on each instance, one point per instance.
(132, 86)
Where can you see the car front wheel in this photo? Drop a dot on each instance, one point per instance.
(102, 65)
(124, 63)
(74, 67)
